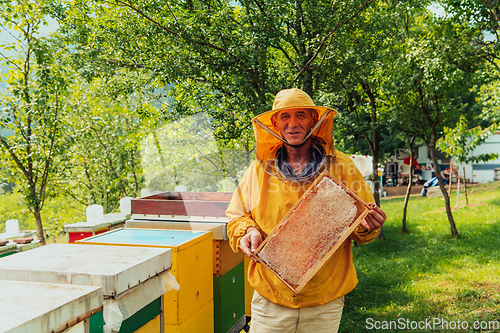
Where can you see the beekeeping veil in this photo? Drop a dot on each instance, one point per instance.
(269, 139)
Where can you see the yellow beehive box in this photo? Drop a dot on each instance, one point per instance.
(152, 326)
(192, 265)
(200, 322)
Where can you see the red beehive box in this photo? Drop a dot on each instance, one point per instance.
(211, 204)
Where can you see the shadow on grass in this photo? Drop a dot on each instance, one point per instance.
(495, 201)
(395, 275)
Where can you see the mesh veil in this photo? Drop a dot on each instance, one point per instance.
(269, 140)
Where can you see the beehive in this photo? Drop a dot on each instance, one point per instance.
(82, 230)
(129, 276)
(312, 230)
(48, 307)
(200, 322)
(191, 267)
(228, 270)
(7, 250)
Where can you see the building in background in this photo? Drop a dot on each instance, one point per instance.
(474, 172)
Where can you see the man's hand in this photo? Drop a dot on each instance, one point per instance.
(250, 242)
(375, 219)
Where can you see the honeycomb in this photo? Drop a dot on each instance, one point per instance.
(309, 232)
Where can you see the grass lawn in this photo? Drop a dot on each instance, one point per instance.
(427, 274)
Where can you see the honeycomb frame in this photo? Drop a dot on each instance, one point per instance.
(362, 211)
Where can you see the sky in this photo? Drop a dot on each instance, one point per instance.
(437, 9)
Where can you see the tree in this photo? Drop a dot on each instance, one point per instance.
(432, 73)
(219, 57)
(461, 142)
(411, 141)
(360, 75)
(34, 109)
(103, 161)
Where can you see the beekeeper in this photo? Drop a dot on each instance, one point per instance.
(294, 145)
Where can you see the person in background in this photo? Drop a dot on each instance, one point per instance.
(430, 165)
(430, 183)
(415, 163)
(416, 166)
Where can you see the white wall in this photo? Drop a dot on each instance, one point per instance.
(483, 172)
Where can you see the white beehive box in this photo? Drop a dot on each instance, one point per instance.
(115, 268)
(46, 307)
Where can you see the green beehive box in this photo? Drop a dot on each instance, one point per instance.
(7, 250)
(229, 301)
(132, 324)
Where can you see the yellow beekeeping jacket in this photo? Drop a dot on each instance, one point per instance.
(265, 195)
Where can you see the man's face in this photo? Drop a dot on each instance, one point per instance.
(294, 124)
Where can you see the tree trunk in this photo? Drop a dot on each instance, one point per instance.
(465, 190)
(375, 182)
(408, 190)
(458, 185)
(432, 149)
(375, 158)
(374, 147)
(449, 180)
(39, 225)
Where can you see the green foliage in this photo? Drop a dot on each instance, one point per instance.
(461, 142)
(34, 111)
(225, 58)
(431, 76)
(57, 213)
(357, 90)
(426, 273)
(102, 162)
(489, 98)
(482, 13)
(14, 208)
(185, 152)
(428, 80)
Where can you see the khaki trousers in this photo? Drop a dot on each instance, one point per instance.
(270, 317)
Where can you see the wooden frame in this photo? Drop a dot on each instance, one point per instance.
(362, 211)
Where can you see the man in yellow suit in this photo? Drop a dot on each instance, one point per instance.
(294, 145)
